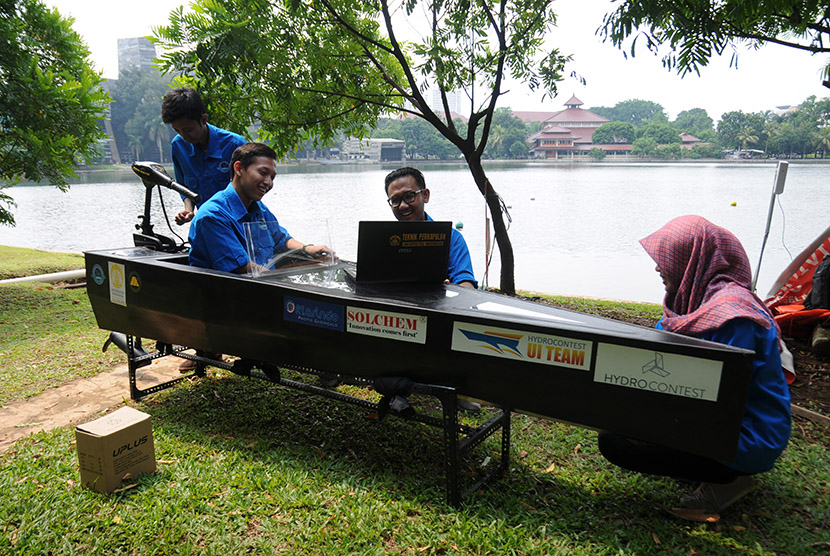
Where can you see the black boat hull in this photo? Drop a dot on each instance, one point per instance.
(673, 390)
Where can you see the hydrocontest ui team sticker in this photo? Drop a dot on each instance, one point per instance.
(385, 324)
(314, 313)
(521, 345)
(654, 371)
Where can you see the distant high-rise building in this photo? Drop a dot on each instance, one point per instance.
(135, 52)
(453, 100)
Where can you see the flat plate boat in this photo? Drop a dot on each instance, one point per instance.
(516, 354)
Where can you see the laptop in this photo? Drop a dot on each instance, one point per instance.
(393, 252)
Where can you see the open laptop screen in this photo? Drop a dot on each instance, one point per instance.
(403, 252)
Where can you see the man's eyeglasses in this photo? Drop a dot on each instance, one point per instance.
(408, 198)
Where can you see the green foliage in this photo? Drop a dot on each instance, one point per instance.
(614, 132)
(50, 98)
(661, 132)
(706, 151)
(696, 30)
(736, 129)
(695, 122)
(136, 114)
(596, 153)
(304, 69)
(635, 111)
(644, 147)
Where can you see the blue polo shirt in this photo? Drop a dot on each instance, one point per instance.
(217, 233)
(460, 266)
(765, 429)
(205, 172)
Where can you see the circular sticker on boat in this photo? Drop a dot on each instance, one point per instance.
(98, 275)
(289, 306)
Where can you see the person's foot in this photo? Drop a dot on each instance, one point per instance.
(468, 406)
(190, 365)
(328, 380)
(713, 497)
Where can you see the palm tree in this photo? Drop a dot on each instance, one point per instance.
(747, 137)
(821, 140)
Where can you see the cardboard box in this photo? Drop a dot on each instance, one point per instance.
(115, 447)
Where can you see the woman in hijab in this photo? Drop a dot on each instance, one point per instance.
(707, 277)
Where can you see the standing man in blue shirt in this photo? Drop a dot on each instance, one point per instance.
(201, 151)
(217, 234)
(407, 193)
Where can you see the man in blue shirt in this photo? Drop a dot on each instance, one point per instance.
(201, 152)
(407, 194)
(217, 233)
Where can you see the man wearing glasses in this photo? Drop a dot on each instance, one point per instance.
(407, 194)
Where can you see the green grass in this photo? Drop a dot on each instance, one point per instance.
(16, 262)
(249, 468)
(48, 336)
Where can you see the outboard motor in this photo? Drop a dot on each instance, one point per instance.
(152, 174)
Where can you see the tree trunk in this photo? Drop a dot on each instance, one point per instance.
(507, 277)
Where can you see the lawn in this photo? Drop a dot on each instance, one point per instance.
(245, 467)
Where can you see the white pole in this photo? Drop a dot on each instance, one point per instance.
(777, 189)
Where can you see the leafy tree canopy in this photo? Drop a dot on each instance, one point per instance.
(695, 30)
(661, 132)
(614, 132)
(50, 98)
(311, 68)
(635, 111)
(695, 121)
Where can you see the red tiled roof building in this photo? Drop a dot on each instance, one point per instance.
(567, 134)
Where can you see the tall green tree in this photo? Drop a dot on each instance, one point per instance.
(136, 113)
(614, 132)
(662, 133)
(304, 68)
(634, 111)
(696, 30)
(736, 126)
(50, 98)
(695, 122)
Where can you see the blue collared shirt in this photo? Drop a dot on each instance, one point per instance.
(205, 172)
(460, 268)
(217, 233)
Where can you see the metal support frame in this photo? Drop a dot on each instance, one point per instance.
(458, 439)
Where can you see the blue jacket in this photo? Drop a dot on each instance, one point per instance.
(205, 172)
(217, 233)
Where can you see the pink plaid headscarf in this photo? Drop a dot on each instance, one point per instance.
(709, 267)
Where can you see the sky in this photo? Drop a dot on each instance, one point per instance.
(772, 77)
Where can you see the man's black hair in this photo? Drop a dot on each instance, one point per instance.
(405, 171)
(247, 153)
(182, 104)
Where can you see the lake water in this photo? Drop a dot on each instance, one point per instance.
(575, 227)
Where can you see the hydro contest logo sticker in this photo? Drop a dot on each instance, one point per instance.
(388, 325)
(98, 275)
(314, 313)
(518, 345)
(666, 373)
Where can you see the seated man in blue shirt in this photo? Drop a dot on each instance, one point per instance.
(217, 234)
(407, 194)
(201, 152)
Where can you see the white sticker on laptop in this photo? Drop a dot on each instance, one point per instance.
(656, 371)
(385, 324)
